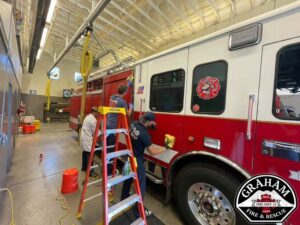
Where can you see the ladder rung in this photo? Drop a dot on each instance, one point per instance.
(139, 221)
(117, 154)
(92, 197)
(95, 166)
(119, 179)
(100, 148)
(100, 164)
(94, 182)
(115, 131)
(117, 173)
(120, 206)
(110, 146)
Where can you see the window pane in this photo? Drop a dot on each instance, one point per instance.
(286, 103)
(167, 91)
(209, 88)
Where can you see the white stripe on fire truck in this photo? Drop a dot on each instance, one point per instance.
(166, 156)
(73, 120)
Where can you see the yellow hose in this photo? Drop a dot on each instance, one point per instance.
(47, 93)
(12, 220)
(86, 64)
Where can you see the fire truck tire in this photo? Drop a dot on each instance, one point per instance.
(205, 195)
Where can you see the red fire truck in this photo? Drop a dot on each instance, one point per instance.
(99, 88)
(232, 101)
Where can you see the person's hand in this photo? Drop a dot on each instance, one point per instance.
(130, 106)
(167, 145)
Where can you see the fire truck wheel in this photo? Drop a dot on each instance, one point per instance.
(205, 195)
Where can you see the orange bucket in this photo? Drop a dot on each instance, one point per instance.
(69, 181)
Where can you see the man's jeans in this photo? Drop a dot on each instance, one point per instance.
(85, 161)
(111, 140)
(142, 180)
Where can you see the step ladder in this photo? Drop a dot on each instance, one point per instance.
(108, 182)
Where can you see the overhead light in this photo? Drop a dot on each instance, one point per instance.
(44, 35)
(39, 54)
(51, 11)
(27, 63)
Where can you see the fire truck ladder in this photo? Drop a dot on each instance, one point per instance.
(108, 182)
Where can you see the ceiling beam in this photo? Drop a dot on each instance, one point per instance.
(252, 4)
(180, 15)
(168, 21)
(141, 11)
(142, 44)
(198, 12)
(92, 16)
(120, 20)
(214, 8)
(128, 15)
(233, 9)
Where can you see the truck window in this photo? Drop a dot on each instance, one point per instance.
(209, 88)
(286, 100)
(166, 92)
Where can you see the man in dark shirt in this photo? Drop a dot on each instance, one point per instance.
(140, 140)
(118, 101)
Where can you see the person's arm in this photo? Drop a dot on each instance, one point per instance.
(152, 149)
(155, 149)
(122, 104)
(92, 125)
(129, 110)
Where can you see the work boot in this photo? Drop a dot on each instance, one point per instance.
(110, 196)
(93, 174)
(147, 213)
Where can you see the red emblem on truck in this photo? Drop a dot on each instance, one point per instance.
(208, 88)
(266, 203)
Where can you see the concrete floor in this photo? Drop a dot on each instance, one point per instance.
(36, 185)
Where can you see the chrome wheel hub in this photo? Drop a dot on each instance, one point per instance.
(210, 206)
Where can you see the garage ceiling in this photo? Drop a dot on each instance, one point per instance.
(138, 28)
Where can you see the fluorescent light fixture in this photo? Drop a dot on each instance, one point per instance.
(44, 36)
(39, 54)
(27, 63)
(51, 11)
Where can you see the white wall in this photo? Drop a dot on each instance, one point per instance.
(37, 80)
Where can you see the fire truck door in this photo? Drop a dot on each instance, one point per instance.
(278, 119)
